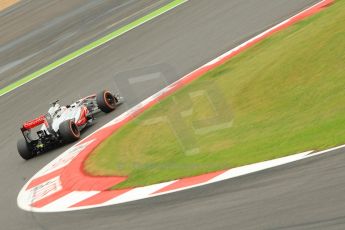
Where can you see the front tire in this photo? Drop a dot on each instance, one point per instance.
(24, 149)
(69, 131)
(106, 101)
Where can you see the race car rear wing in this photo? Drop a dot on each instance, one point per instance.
(34, 123)
(27, 126)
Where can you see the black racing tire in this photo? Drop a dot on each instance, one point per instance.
(106, 101)
(24, 149)
(69, 131)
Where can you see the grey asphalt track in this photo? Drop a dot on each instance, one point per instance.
(308, 194)
(305, 195)
(35, 33)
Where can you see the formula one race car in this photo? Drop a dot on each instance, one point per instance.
(62, 124)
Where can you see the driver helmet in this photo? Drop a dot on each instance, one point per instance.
(54, 109)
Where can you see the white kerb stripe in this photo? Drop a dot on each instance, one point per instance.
(243, 170)
(138, 193)
(326, 151)
(69, 200)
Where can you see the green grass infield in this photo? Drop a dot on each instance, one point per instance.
(282, 96)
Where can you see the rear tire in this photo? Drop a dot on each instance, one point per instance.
(69, 131)
(24, 149)
(106, 101)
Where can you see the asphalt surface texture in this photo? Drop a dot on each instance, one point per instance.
(305, 195)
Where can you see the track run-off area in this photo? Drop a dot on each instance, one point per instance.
(148, 49)
(63, 186)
